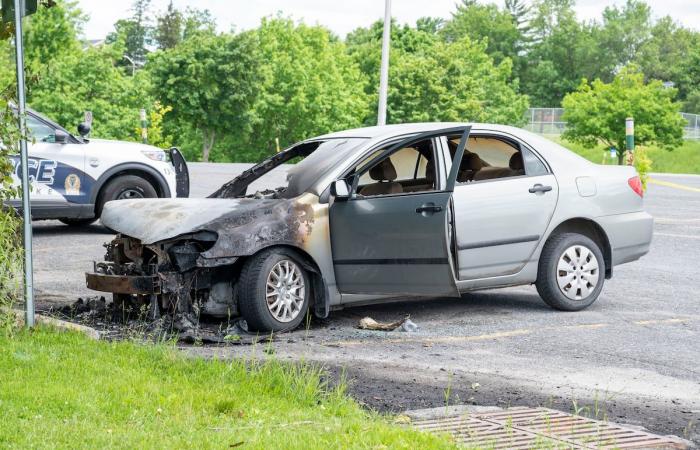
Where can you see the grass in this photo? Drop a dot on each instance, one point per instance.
(684, 159)
(63, 390)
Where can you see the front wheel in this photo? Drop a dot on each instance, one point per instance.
(275, 291)
(571, 272)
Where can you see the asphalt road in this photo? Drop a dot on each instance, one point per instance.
(633, 357)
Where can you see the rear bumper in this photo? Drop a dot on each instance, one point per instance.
(629, 235)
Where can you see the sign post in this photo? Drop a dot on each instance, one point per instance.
(629, 140)
(19, 8)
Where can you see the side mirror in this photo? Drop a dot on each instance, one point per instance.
(84, 129)
(340, 190)
(60, 137)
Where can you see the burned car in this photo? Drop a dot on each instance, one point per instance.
(379, 213)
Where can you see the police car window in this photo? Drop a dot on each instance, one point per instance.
(40, 131)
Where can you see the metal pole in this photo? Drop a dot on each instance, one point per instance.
(26, 207)
(629, 140)
(384, 72)
(144, 127)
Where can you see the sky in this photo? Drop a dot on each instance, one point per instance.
(341, 16)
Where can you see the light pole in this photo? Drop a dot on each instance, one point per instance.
(133, 64)
(384, 71)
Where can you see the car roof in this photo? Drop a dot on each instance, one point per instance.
(405, 128)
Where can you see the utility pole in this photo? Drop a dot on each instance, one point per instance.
(26, 206)
(384, 73)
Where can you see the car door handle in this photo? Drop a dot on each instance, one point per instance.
(539, 188)
(428, 208)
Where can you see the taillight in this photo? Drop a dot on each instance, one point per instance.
(636, 185)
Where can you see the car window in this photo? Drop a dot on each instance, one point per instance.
(405, 170)
(39, 130)
(487, 158)
(533, 165)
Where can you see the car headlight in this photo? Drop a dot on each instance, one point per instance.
(155, 155)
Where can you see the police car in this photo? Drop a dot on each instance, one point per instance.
(72, 177)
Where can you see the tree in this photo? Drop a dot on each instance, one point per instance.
(91, 80)
(486, 22)
(596, 112)
(168, 32)
(562, 52)
(174, 26)
(623, 32)
(309, 86)
(210, 81)
(136, 32)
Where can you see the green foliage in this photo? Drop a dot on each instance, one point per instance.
(154, 397)
(90, 80)
(684, 159)
(596, 112)
(308, 86)
(430, 81)
(643, 164)
(154, 119)
(10, 225)
(210, 81)
(489, 23)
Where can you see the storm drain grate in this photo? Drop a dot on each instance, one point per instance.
(526, 428)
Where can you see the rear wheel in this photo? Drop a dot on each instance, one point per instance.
(275, 291)
(571, 272)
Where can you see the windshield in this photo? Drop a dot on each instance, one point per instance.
(318, 158)
(305, 173)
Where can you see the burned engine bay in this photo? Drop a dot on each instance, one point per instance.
(182, 257)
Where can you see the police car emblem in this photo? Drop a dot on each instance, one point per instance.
(72, 184)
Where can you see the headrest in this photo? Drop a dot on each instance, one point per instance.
(516, 162)
(471, 162)
(384, 171)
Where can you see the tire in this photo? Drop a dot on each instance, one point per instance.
(123, 187)
(257, 299)
(78, 222)
(579, 284)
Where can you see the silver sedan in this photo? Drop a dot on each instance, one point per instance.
(370, 214)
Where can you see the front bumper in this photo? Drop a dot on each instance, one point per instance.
(123, 284)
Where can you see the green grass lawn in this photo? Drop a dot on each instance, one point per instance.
(63, 390)
(685, 159)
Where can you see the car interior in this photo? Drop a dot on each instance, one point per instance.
(409, 169)
(487, 158)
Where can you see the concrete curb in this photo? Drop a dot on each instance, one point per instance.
(58, 323)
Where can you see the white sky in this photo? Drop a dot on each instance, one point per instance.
(341, 16)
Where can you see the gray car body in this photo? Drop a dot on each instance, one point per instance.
(491, 236)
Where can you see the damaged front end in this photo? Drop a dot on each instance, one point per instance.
(169, 277)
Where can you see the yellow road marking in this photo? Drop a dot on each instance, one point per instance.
(673, 185)
(660, 321)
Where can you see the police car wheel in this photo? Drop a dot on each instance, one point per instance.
(78, 222)
(123, 188)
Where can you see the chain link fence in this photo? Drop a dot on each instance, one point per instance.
(549, 121)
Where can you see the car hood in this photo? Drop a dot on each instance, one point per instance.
(154, 220)
(243, 225)
(120, 146)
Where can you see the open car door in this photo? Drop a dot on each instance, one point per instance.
(396, 243)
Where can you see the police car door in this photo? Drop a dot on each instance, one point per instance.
(56, 171)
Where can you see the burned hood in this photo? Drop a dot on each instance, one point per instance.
(243, 225)
(154, 220)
